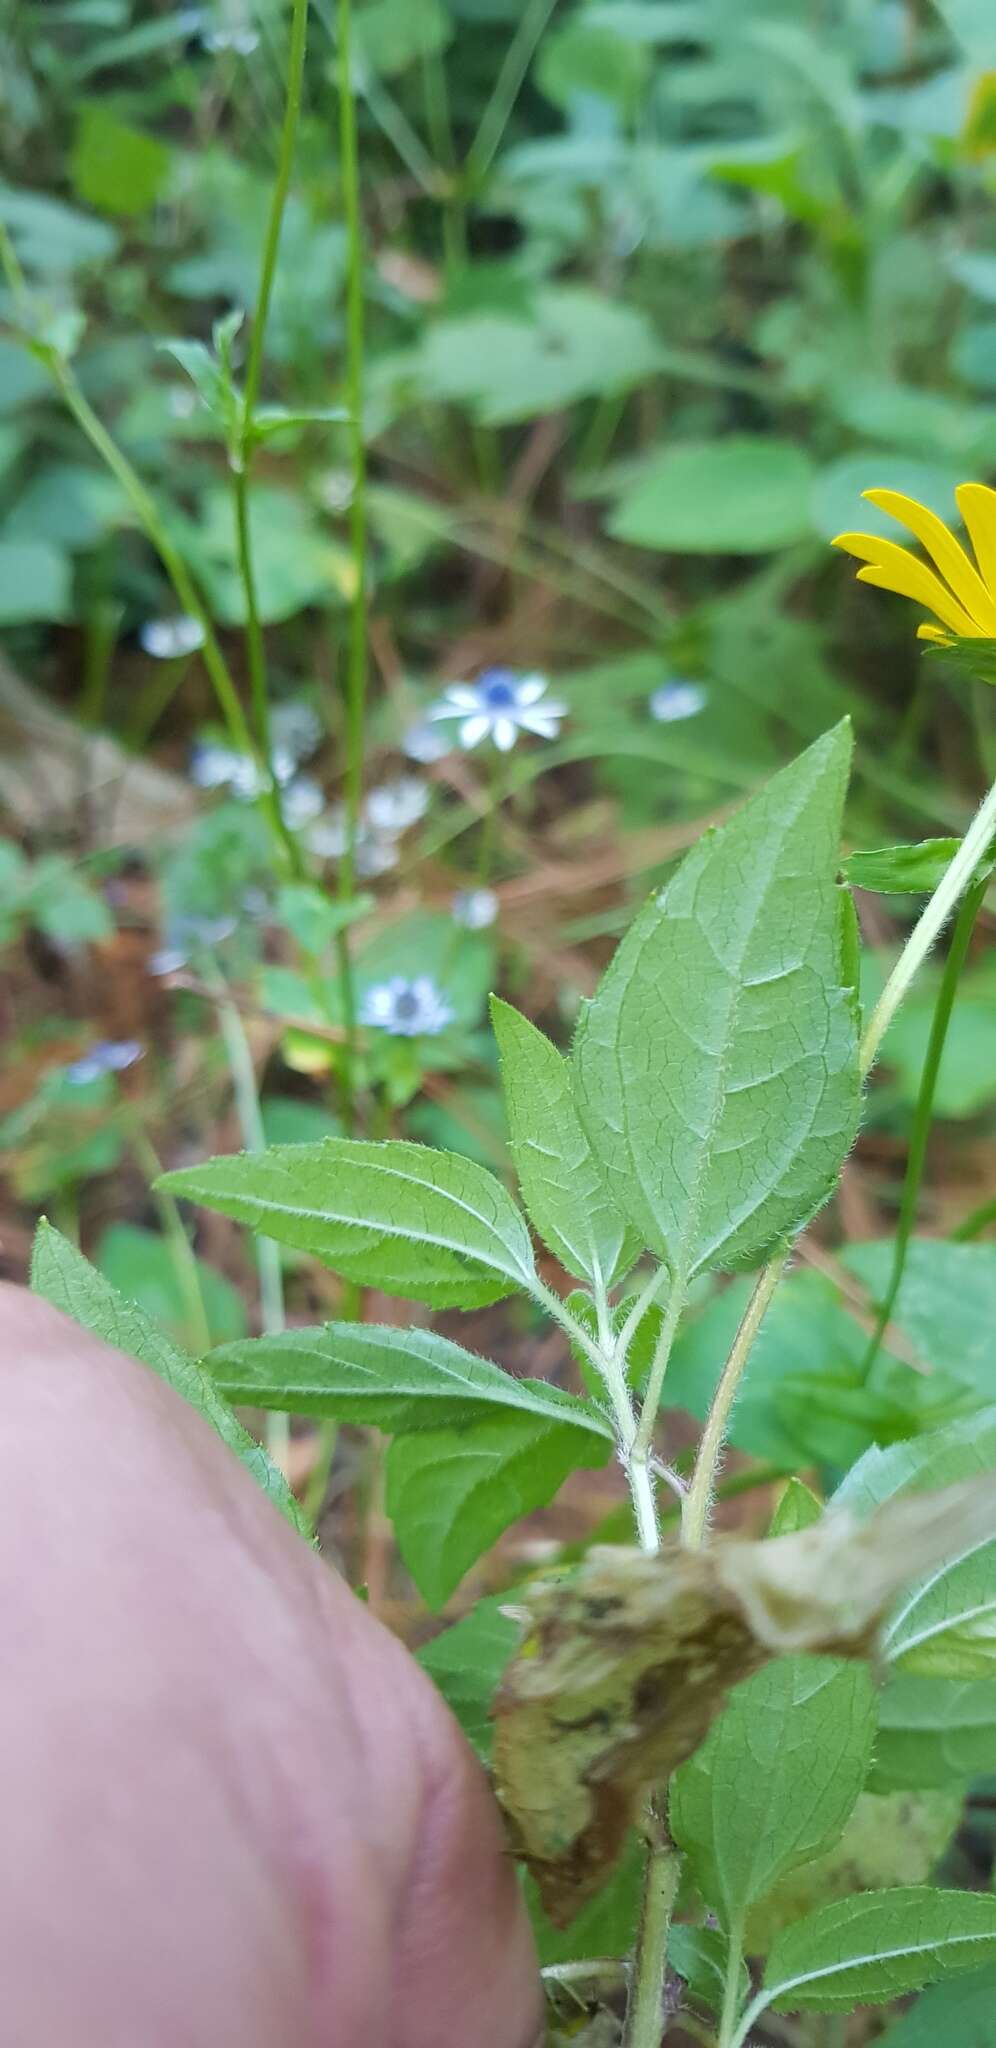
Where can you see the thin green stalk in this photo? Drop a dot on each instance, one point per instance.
(955, 880)
(242, 454)
(271, 245)
(961, 937)
(148, 515)
(180, 1247)
(267, 1251)
(508, 85)
(358, 656)
(975, 1222)
(318, 1483)
(698, 1500)
(659, 1363)
(644, 2019)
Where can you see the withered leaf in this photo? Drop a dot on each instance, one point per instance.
(627, 1662)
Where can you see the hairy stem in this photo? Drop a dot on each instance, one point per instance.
(698, 1500)
(644, 2019)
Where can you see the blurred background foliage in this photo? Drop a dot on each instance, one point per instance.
(653, 289)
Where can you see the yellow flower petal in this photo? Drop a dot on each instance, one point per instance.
(894, 568)
(977, 505)
(936, 633)
(949, 557)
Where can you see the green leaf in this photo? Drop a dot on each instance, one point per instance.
(428, 1225)
(35, 582)
(945, 1626)
(465, 1663)
(63, 904)
(933, 1732)
(451, 1492)
(313, 917)
(901, 870)
(866, 1950)
(716, 1067)
(960, 2014)
(65, 1278)
(606, 1926)
(562, 1187)
(966, 1082)
(946, 1303)
(206, 376)
(575, 344)
(804, 1377)
(390, 35)
(743, 495)
(141, 1266)
(115, 167)
(898, 1838)
(51, 239)
(396, 1380)
(779, 1773)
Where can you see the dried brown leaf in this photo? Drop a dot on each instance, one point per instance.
(627, 1663)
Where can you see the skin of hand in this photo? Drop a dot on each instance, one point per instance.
(235, 1812)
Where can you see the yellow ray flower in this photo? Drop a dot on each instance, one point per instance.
(961, 595)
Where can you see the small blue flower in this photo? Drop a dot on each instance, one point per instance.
(108, 1056)
(474, 909)
(406, 1009)
(500, 705)
(394, 807)
(677, 699)
(168, 639)
(187, 935)
(213, 765)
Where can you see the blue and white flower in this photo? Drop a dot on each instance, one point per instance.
(169, 639)
(500, 705)
(677, 699)
(474, 909)
(108, 1056)
(406, 1009)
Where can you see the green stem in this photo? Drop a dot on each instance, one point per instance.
(655, 1377)
(318, 1484)
(977, 1221)
(731, 1988)
(181, 1250)
(968, 912)
(508, 84)
(148, 515)
(358, 660)
(268, 1268)
(242, 454)
(644, 2019)
(955, 880)
(271, 245)
(698, 1500)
